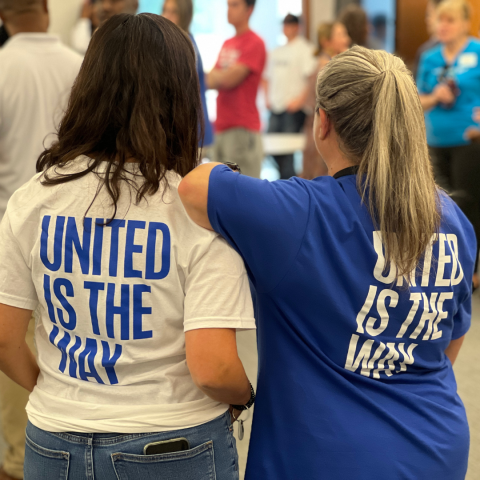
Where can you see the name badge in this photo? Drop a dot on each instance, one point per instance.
(468, 60)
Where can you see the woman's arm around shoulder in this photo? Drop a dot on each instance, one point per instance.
(453, 349)
(193, 191)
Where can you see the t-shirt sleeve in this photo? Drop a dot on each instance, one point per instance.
(217, 292)
(253, 55)
(16, 285)
(309, 62)
(264, 221)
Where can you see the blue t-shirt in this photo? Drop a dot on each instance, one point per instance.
(353, 381)
(208, 138)
(446, 126)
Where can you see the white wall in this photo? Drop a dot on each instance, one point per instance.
(320, 11)
(63, 16)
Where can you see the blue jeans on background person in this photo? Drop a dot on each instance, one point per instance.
(115, 456)
(286, 122)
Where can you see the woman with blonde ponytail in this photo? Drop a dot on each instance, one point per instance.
(332, 39)
(363, 289)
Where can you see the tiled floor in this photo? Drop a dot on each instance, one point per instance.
(467, 370)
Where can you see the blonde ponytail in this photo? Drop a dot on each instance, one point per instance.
(373, 103)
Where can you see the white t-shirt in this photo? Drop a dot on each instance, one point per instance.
(113, 303)
(288, 69)
(81, 35)
(36, 76)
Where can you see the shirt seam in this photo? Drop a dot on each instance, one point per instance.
(26, 301)
(307, 223)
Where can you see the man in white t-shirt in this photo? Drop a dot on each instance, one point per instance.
(36, 75)
(286, 77)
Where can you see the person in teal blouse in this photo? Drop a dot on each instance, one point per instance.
(449, 85)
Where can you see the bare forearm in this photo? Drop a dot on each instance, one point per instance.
(227, 79)
(19, 364)
(221, 80)
(231, 386)
(213, 79)
(453, 349)
(428, 101)
(216, 369)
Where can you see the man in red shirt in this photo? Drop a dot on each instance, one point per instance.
(237, 76)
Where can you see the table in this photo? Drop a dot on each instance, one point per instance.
(283, 143)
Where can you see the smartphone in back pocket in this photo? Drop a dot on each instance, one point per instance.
(167, 446)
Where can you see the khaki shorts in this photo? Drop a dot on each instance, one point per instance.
(240, 146)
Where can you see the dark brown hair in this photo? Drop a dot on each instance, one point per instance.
(185, 13)
(136, 97)
(355, 20)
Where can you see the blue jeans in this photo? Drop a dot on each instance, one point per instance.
(114, 456)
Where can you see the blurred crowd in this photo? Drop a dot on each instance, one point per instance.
(286, 74)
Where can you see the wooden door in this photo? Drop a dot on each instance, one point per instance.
(411, 28)
(476, 17)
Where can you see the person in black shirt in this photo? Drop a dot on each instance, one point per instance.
(4, 36)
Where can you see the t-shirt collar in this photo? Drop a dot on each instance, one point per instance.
(346, 171)
(33, 38)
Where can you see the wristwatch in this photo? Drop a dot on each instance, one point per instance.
(233, 166)
(249, 404)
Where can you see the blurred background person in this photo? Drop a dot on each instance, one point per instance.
(378, 34)
(332, 39)
(449, 85)
(86, 26)
(237, 76)
(355, 20)
(36, 75)
(286, 79)
(108, 8)
(4, 36)
(94, 13)
(431, 22)
(180, 12)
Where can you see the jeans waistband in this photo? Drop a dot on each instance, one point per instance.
(112, 438)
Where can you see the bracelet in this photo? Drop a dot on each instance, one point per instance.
(249, 404)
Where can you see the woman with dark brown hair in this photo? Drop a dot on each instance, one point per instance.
(180, 12)
(332, 39)
(355, 20)
(138, 307)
